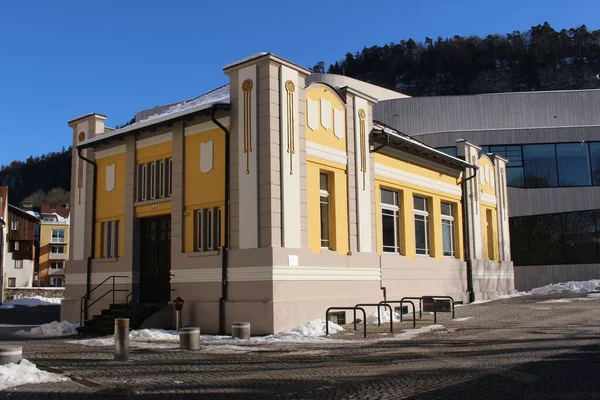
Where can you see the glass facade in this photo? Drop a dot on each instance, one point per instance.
(547, 165)
(554, 239)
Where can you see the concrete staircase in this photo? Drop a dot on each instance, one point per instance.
(104, 323)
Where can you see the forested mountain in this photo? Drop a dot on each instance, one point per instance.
(539, 59)
(42, 179)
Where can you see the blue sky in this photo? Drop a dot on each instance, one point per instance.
(61, 59)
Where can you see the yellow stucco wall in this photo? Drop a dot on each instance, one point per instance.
(45, 243)
(486, 173)
(203, 190)
(324, 136)
(434, 198)
(110, 206)
(484, 230)
(340, 238)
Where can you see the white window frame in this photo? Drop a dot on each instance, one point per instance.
(152, 181)
(18, 264)
(142, 181)
(109, 232)
(161, 179)
(395, 209)
(17, 245)
(208, 229)
(58, 239)
(448, 220)
(61, 263)
(170, 177)
(324, 194)
(425, 215)
(60, 250)
(57, 279)
(14, 225)
(12, 282)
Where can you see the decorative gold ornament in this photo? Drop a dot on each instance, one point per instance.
(362, 114)
(363, 146)
(290, 87)
(247, 86)
(291, 123)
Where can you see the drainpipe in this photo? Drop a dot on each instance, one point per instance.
(375, 150)
(2, 225)
(225, 245)
(466, 235)
(88, 282)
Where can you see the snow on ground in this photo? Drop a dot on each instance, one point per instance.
(409, 334)
(573, 287)
(32, 302)
(144, 338)
(12, 375)
(462, 319)
(63, 328)
(385, 317)
(568, 287)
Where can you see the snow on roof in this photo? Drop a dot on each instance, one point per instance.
(203, 102)
(245, 59)
(415, 143)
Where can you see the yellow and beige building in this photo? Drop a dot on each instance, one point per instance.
(54, 249)
(274, 197)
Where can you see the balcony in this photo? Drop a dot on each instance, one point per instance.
(56, 271)
(57, 256)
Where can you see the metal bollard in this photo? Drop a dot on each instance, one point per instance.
(189, 338)
(10, 354)
(240, 330)
(121, 339)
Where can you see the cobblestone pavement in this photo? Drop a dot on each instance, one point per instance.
(520, 348)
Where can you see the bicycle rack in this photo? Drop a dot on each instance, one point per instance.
(401, 302)
(346, 308)
(378, 305)
(421, 305)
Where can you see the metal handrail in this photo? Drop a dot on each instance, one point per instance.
(131, 294)
(346, 308)
(87, 295)
(378, 305)
(401, 302)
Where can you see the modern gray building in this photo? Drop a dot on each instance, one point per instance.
(552, 142)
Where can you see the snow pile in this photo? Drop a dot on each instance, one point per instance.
(153, 335)
(411, 333)
(385, 317)
(32, 302)
(63, 328)
(310, 331)
(12, 375)
(462, 319)
(568, 287)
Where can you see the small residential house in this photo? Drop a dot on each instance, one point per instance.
(19, 248)
(54, 249)
(273, 198)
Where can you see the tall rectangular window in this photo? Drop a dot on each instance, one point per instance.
(421, 213)
(12, 282)
(18, 264)
(109, 239)
(208, 229)
(448, 229)
(324, 209)
(489, 221)
(14, 226)
(152, 180)
(390, 221)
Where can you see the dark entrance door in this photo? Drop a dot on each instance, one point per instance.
(155, 259)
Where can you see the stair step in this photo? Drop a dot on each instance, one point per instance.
(117, 313)
(120, 306)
